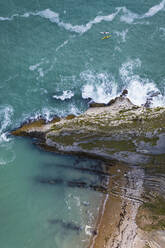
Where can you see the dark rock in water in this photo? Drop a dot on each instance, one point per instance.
(121, 102)
(90, 170)
(99, 188)
(67, 225)
(89, 99)
(77, 184)
(50, 181)
(148, 103)
(151, 95)
(96, 105)
(72, 226)
(124, 93)
(73, 183)
(111, 102)
(94, 232)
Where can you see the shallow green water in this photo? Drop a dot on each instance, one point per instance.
(52, 60)
(39, 214)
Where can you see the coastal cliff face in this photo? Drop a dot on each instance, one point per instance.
(120, 134)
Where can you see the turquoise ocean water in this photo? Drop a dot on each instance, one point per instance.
(52, 58)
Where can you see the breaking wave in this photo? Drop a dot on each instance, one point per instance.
(6, 113)
(7, 154)
(99, 87)
(139, 89)
(102, 87)
(129, 16)
(155, 9)
(54, 17)
(126, 16)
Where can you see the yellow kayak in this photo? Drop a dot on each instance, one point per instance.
(106, 37)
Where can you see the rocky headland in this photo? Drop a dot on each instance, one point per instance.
(130, 142)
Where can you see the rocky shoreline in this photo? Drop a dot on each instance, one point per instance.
(130, 140)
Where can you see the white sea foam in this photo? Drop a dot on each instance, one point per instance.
(46, 112)
(100, 87)
(49, 112)
(54, 17)
(34, 67)
(41, 73)
(7, 155)
(8, 18)
(67, 94)
(6, 113)
(138, 91)
(122, 34)
(129, 16)
(155, 9)
(162, 33)
(126, 71)
(73, 109)
(62, 45)
(139, 88)
(40, 70)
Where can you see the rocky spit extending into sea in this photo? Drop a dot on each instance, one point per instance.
(130, 142)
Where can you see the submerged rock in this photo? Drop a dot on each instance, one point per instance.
(124, 93)
(67, 225)
(150, 97)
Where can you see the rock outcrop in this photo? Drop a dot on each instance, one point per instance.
(118, 132)
(121, 131)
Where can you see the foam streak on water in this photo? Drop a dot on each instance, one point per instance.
(155, 9)
(5, 120)
(54, 17)
(67, 94)
(129, 16)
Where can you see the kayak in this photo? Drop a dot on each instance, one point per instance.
(106, 37)
(104, 32)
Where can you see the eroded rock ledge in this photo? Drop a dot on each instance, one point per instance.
(120, 132)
